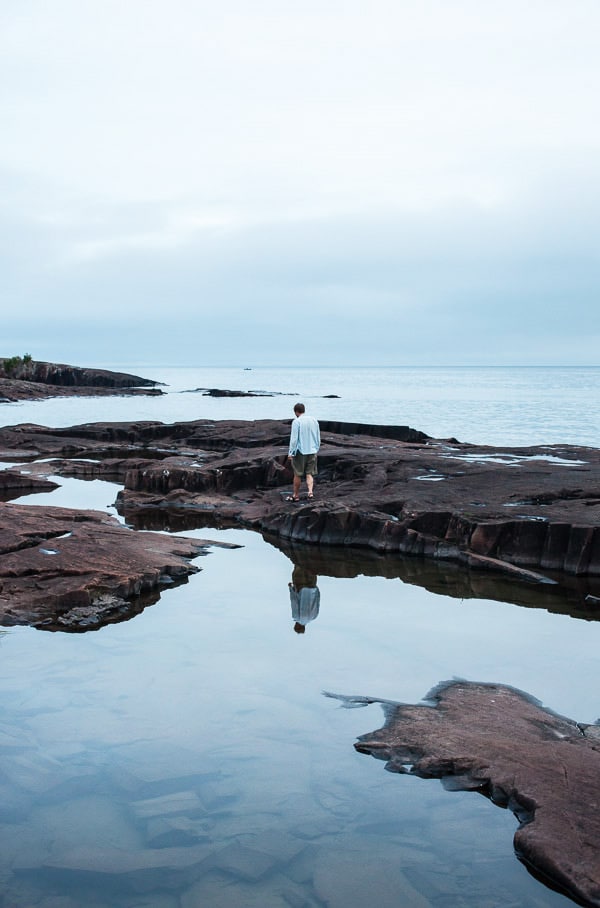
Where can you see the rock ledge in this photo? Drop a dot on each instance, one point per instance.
(502, 743)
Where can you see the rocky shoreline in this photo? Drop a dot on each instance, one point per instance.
(528, 514)
(24, 379)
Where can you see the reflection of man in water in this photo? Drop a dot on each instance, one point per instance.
(304, 597)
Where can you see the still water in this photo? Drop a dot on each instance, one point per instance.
(189, 758)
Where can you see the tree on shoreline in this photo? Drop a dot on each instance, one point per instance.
(11, 364)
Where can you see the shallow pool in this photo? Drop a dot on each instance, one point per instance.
(188, 757)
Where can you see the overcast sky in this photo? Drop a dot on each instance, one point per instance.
(404, 182)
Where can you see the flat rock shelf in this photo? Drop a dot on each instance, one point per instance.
(528, 513)
(502, 743)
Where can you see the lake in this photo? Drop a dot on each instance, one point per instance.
(189, 757)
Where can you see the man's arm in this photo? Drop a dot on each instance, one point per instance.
(294, 437)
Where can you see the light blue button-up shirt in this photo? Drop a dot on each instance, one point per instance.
(305, 437)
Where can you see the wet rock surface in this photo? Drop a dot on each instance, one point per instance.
(22, 380)
(225, 392)
(62, 569)
(529, 515)
(14, 483)
(502, 743)
(530, 512)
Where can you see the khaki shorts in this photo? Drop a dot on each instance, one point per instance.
(304, 463)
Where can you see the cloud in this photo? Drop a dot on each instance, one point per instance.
(149, 99)
(415, 179)
(466, 284)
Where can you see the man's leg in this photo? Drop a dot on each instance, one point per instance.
(309, 483)
(297, 481)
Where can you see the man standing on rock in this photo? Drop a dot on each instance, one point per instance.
(305, 441)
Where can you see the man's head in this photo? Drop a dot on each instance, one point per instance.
(299, 409)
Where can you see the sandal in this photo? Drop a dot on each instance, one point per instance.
(310, 495)
(291, 498)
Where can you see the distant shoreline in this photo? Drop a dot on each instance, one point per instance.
(25, 379)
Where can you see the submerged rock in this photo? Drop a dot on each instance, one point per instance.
(142, 871)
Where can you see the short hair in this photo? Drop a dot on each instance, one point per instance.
(299, 408)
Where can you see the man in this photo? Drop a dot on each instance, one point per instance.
(305, 441)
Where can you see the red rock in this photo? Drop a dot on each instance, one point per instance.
(502, 743)
(76, 570)
(530, 513)
(14, 483)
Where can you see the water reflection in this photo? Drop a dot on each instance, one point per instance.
(567, 595)
(305, 597)
(183, 758)
(105, 610)
(188, 758)
(573, 596)
(173, 520)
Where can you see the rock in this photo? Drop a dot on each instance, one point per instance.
(159, 770)
(30, 772)
(253, 856)
(140, 870)
(175, 832)
(63, 569)
(340, 881)
(243, 861)
(223, 392)
(181, 802)
(14, 484)
(528, 515)
(502, 743)
(153, 900)
(63, 375)
(90, 821)
(218, 888)
(31, 380)
(360, 430)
